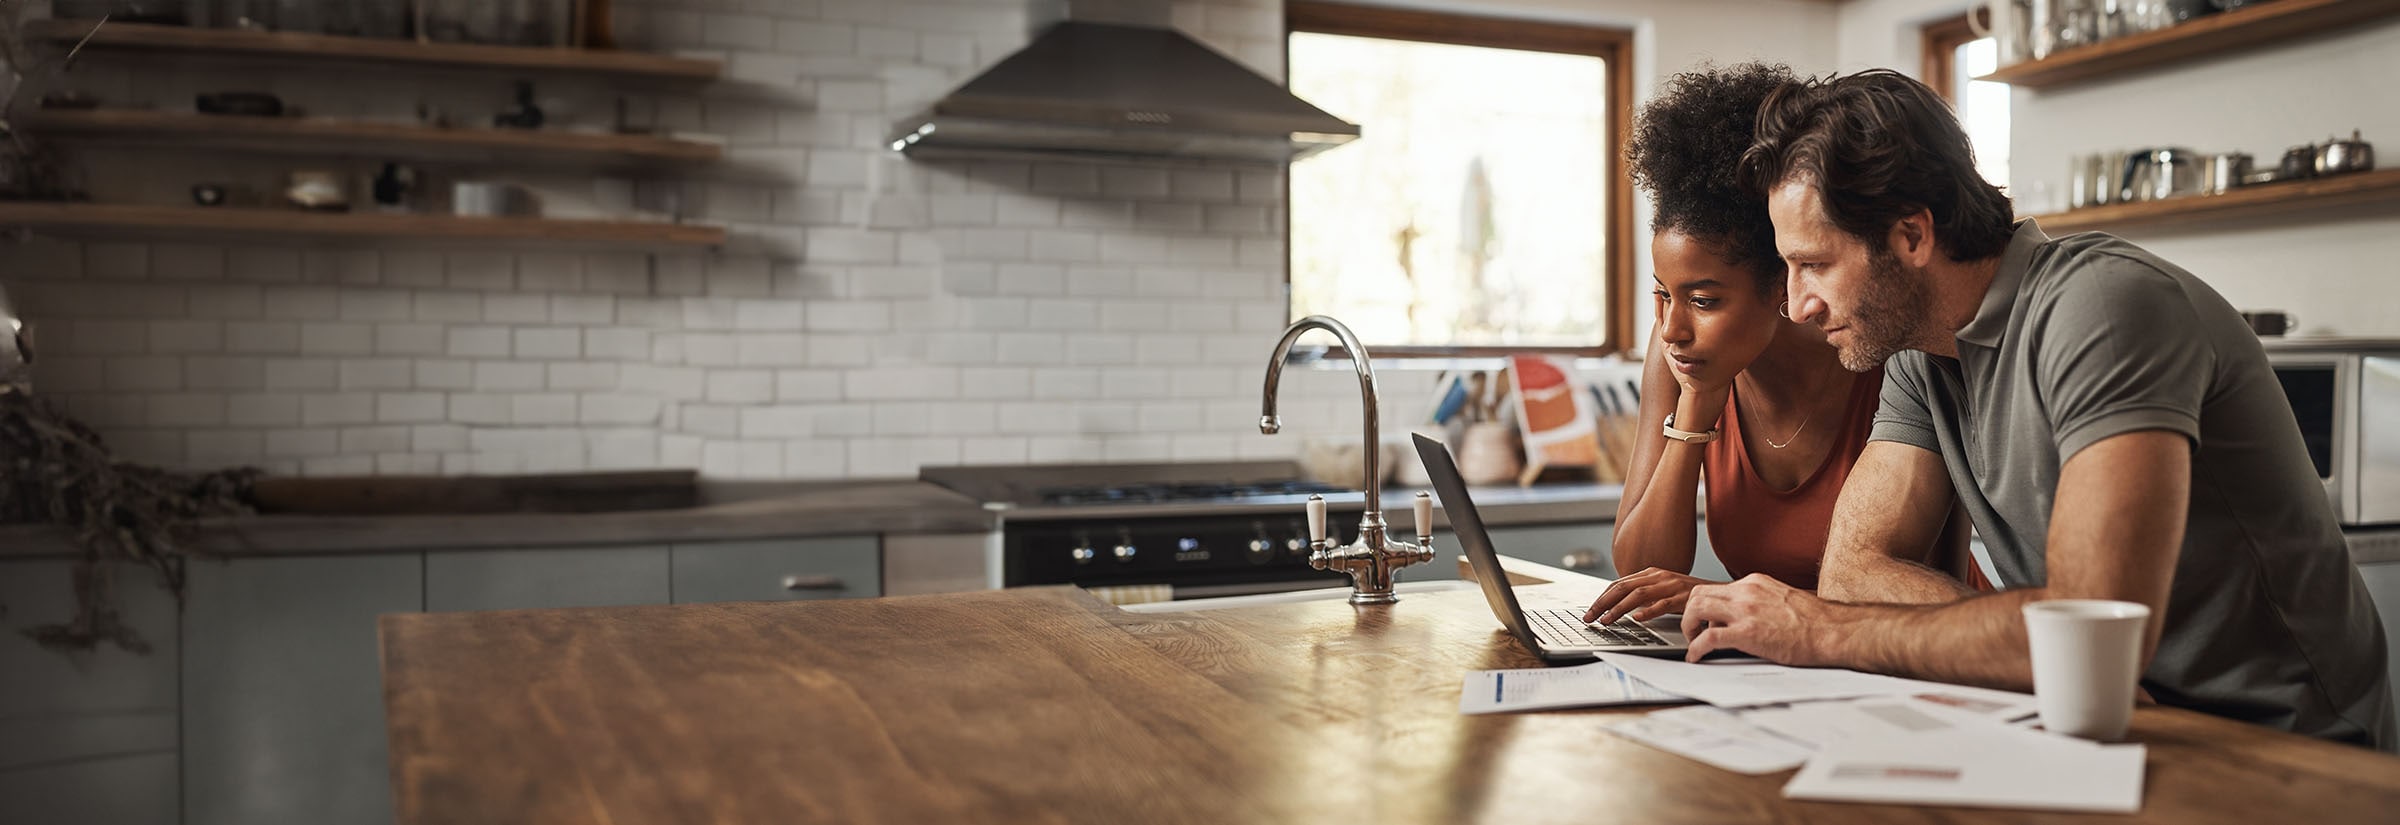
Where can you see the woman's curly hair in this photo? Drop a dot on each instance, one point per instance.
(1687, 150)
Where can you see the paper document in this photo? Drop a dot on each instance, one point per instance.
(1979, 765)
(1598, 683)
(1748, 683)
(1714, 736)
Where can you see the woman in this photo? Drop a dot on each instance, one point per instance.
(1762, 409)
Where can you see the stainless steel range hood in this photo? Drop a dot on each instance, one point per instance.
(1106, 91)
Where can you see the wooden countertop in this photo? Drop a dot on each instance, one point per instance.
(1045, 705)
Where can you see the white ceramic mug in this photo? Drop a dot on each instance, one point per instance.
(2087, 657)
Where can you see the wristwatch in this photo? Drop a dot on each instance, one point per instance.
(1688, 436)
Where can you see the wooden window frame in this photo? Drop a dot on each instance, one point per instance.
(1940, 39)
(1613, 46)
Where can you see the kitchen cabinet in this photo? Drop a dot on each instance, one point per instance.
(90, 736)
(282, 688)
(2383, 583)
(847, 567)
(1551, 544)
(520, 579)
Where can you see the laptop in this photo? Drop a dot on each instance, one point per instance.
(1553, 635)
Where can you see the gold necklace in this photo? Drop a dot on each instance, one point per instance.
(1812, 413)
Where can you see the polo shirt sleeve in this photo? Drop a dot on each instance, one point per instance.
(2118, 352)
(1903, 414)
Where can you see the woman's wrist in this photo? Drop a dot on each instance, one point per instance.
(1698, 410)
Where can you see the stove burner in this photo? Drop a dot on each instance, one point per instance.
(1178, 492)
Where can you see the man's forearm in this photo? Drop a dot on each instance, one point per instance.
(1888, 580)
(1977, 641)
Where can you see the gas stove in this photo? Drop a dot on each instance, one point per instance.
(1147, 531)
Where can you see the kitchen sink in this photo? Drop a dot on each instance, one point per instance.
(1257, 599)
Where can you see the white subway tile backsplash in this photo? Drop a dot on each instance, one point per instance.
(318, 409)
(229, 301)
(302, 374)
(872, 314)
(377, 374)
(515, 309)
(409, 339)
(548, 342)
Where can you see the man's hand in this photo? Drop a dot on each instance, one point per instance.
(1644, 596)
(1759, 616)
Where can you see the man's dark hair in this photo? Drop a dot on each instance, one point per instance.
(1878, 146)
(1687, 149)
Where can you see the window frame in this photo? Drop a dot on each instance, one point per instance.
(1614, 47)
(1940, 40)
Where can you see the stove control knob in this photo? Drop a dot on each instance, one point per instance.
(1261, 549)
(1124, 552)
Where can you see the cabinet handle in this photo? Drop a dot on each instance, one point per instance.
(819, 582)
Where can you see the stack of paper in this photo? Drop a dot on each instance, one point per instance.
(1494, 691)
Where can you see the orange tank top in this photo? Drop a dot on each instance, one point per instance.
(1756, 528)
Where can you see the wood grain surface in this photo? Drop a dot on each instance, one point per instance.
(1044, 705)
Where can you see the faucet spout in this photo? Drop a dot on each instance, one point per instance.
(1270, 423)
(1372, 561)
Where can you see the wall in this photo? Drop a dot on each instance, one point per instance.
(872, 315)
(2331, 266)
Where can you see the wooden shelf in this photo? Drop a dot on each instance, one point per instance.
(2208, 36)
(368, 139)
(2382, 185)
(141, 37)
(219, 224)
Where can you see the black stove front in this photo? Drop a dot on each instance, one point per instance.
(1195, 556)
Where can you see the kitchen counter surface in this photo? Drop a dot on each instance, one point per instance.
(732, 511)
(752, 510)
(1044, 705)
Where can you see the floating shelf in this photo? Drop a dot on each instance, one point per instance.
(2213, 35)
(143, 37)
(370, 139)
(218, 224)
(2263, 199)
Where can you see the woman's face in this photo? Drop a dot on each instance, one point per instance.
(1711, 318)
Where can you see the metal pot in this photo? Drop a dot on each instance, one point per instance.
(2298, 162)
(2224, 172)
(2174, 172)
(2336, 156)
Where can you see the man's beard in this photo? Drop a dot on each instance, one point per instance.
(1891, 311)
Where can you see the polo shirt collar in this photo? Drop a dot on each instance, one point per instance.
(1991, 318)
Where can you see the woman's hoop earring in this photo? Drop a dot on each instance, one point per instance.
(1784, 309)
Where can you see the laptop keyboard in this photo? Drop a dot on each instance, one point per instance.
(1566, 627)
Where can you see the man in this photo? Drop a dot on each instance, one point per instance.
(2110, 424)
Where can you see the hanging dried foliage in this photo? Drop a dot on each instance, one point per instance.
(56, 471)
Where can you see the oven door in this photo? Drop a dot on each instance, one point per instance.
(2322, 389)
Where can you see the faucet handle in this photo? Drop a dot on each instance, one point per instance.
(1424, 508)
(1316, 520)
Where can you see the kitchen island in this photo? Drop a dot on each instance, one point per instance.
(1045, 705)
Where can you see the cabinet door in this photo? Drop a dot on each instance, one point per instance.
(2383, 583)
(88, 736)
(514, 579)
(283, 688)
(778, 570)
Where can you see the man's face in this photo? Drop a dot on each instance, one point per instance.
(1868, 302)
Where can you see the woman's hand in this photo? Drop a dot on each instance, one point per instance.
(1645, 595)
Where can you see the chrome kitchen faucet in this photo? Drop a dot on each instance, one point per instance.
(1372, 560)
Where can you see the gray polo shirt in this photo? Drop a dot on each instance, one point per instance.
(2087, 337)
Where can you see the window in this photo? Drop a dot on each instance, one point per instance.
(1954, 57)
(1485, 208)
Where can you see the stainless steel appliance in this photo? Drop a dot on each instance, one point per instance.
(1143, 532)
(2346, 395)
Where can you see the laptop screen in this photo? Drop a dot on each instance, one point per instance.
(1472, 540)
